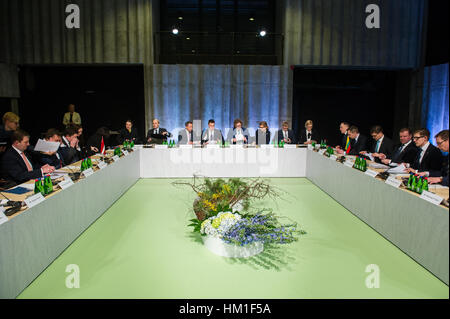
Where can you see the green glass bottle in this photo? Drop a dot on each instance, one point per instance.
(132, 144)
(410, 179)
(313, 144)
(425, 184)
(46, 188)
(365, 165)
(83, 165)
(50, 184)
(419, 185)
(37, 184)
(89, 162)
(355, 165)
(414, 183)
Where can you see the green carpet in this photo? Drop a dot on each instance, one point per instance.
(141, 248)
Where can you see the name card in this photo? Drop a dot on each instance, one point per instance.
(102, 165)
(291, 146)
(371, 173)
(212, 146)
(237, 146)
(3, 218)
(88, 172)
(158, 146)
(348, 163)
(321, 152)
(333, 157)
(66, 183)
(431, 197)
(125, 152)
(267, 146)
(115, 158)
(394, 182)
(185, 146)
(34, 200)
(310, 147)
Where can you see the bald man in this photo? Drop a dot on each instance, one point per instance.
(157, 135)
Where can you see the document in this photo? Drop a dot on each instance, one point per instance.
(400, 169)
(46, 147)
(378, 165)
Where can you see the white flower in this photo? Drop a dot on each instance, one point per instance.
(237, 207)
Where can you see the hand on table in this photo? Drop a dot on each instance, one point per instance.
(47, 169)
(94, 149)
(49, 153)
(434, 180)
(386, 161)
(363, 152)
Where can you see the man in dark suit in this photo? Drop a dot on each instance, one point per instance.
(381, 144)
(129, 133)
(69, 150)
(429, 158)
(17, 164)
(308, 135)
(405, 152)
(285, 134)
(157, 135)
(52, 159)
(212, 135)
(345, 139)
(358, 141)
(441, 176)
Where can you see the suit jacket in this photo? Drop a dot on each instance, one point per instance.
(183, 138)
(267, 141)
(303, 138)
(76, 118)
(443, 172)
(124, 134)
(291, 135)
(69, 154)
(386, 147)
(407, 155)
(232, 134)
(15, 169)
(217, 136)
(358, 146)
(158, 137)
(432, 160)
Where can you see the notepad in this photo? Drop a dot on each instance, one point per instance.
(17, 190)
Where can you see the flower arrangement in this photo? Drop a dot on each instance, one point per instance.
(224, 211)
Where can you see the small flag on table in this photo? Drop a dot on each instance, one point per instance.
(102, 147)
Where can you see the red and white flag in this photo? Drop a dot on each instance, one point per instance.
(102, 147)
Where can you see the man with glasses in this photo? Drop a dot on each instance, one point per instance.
(429, 158)
(441, 176)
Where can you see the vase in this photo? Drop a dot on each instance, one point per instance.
(221, 248)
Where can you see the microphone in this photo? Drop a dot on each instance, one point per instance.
(15, 206)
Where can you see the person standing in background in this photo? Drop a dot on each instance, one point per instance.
(71, 117)
(10, 125)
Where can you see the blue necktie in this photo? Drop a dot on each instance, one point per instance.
(378, 146)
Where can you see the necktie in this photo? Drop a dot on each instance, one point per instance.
(285, 134)
(71, 117)
(397, 153)
(27, 163)
(210, 135)
(309, 135)
(378, 146)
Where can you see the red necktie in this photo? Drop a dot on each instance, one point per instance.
(26, 162)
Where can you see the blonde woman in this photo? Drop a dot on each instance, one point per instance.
(308, 135)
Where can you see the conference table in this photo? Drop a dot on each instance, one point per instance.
(34, 237)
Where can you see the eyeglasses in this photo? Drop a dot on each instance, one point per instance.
(417, 137)
(439, 143)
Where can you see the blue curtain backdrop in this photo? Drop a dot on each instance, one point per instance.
(252, 93)
(435, 99)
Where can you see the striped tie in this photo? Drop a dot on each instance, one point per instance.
(27, 163)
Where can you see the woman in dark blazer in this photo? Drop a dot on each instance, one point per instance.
(263, 131)
(308, 135)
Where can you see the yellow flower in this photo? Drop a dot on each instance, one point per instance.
(209, 205)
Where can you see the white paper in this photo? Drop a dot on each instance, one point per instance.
(212, 146)
(267, 146)
(378, 165)
(185, 146)
(161, 146)
(431, 197)
(3, 218)
(66, 183)
(397, 170)
(333, 157)
(88, 172)
(371, 173)
(3, 201)
(321, 152)
(115, 158)
(30, 187)
(125, 152)
(310, 148)
(34, 200)
(394, 182)
(54, 175)
(101, 165)
(348, 164)
(290, 146)
(46, 146)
